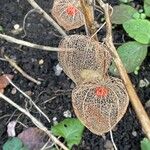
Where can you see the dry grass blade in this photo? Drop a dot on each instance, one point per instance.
(13, 64)
(31, 101)
(134, 99)
(47, 17)
(34, 120)
(28, 44)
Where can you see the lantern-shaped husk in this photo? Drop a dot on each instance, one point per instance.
(100, 106)
(67, 13)
(83, 59)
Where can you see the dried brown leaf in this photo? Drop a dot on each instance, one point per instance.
(34, 138)
(4, 82)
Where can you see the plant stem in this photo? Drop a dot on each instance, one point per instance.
(29, 98)
(89, 17)
(28, 44)
(13, 64)
(47, 17)
(35, 121)
(134, 99)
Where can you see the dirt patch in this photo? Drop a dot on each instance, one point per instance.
(56, 90)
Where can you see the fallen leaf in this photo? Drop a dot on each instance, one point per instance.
(4, 82)
(34, 138)
(14, 144)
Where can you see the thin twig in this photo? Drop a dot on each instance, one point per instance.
(47, 17)
(23, 93)
(22, 124)
(24, 20)
(28, 44)
(13, 64)
(3, 59)
(46, 145)
(98, 29)
(98, 9)
(134, 99)
(112, 140)
(11, 116)
(34, 120)
(5, 116)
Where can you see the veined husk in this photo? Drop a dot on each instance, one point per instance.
(100, 113)
(69, 22)
(83, 59)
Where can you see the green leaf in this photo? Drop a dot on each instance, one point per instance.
(70, 129)
(14, 144)
(136, 15)
(142, 16)
(139, 29)
(125, 1)
(147, 1)
(122, 13)
(132, 55)
(145, 144)
(52, 148)
(147, 9)
(1, 28)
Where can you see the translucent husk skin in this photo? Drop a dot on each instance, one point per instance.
(83, 59)
(62, 13)
(100, 113)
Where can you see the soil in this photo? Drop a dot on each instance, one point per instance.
(56, 90)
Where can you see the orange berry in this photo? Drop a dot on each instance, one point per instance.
(71, 10)
(101, 91)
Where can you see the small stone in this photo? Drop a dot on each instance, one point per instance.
(11, 129)
(15, 72)
(134, 133)
(144, 83)
(147, 104)
(115, 128)
(13, 91)
(16, 26)
(29, 93)
(108, 144)
(72, 86)
(28, 25)
(41, 61)
(55, 120)
(17, 29)
(57, 70)
(33, 60)
(67, 114)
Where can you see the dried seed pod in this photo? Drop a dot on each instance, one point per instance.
(67, 13)
(83, 59)
(100, 106)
